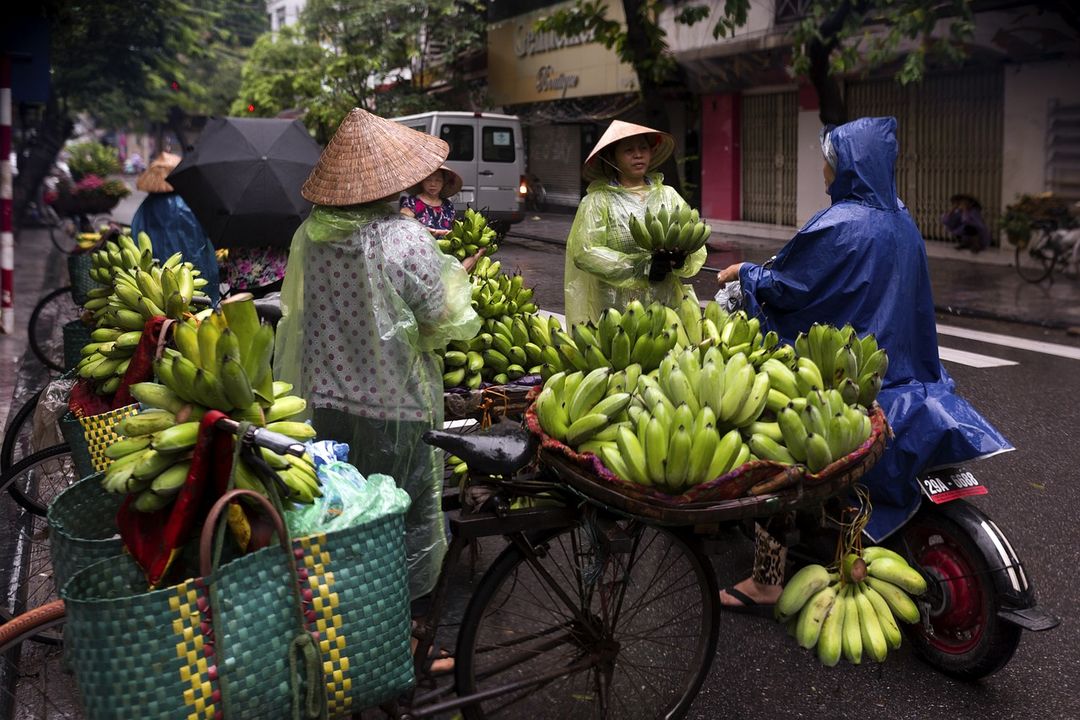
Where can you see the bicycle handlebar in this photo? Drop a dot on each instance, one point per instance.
(261, 437)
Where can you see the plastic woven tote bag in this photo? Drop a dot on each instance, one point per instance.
(100, 432)
(76, 335)
(75, 436)
(359, 608)
(82, 528)
(227, 644)
(79, 265)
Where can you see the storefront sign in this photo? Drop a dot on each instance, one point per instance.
(525, 65)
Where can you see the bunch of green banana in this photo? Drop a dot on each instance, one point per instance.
(821, 429)
(574, 407)
(498, 295)
(637, 335)
(504, 350)
(468, 235)
(138, 288)
(678, 230)
(856, 366)
(852, 613)
(152, 457)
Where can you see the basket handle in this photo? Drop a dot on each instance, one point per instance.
(206, 538)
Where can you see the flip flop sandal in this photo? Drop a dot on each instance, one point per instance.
(749, 605)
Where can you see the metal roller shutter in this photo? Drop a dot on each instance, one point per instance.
(1063, 151)
(950, 132)
(770, 157)
(555, 158)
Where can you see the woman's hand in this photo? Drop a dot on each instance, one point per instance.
(469, 262)
(728, 274)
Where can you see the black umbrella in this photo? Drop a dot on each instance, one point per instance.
(243, 177)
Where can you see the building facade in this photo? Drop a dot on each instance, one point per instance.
(1005, 122)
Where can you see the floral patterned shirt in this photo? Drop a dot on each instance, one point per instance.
(435, 218)
(246, 268)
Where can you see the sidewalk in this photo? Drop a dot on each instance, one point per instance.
(984, 285)
(39, 268)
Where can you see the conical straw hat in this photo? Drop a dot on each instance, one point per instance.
(152, 180)
(370, 158)
(662, 144)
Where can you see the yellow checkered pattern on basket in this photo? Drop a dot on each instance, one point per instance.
(100, 433)
(328, 623)
(195, 670)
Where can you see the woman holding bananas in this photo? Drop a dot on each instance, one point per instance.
(605, 267)
(863, 261)
(368, 297)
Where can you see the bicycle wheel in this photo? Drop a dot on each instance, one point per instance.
(17, 432)
(620, 628)
(63, 234)
(33, 682)
(36, 480)
(26, 571)
(1036, 263)
(46, 341)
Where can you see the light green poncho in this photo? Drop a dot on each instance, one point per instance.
(366, 300)
(604, 267)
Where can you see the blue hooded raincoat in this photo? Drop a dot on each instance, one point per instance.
(862, 261)
(172, 228)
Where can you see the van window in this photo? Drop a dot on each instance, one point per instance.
(498, 144)
(419, 128)
(460, 140)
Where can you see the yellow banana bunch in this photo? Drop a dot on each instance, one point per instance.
(135, 288)
(468, 235)
(852, 613)
(152, 457)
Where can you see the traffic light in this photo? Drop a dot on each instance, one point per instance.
(174, 86)
(251, 107)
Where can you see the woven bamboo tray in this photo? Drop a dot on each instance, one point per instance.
(495, 401)
(754, 490)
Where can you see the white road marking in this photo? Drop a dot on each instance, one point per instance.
(971, 359)
(1038, 346)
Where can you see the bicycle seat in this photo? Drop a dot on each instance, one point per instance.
(502, 449)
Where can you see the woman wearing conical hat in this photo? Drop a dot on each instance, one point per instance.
(368, 298)
(604, 267)
(171, 224)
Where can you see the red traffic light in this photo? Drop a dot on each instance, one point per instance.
(251, 108)
(174, 86)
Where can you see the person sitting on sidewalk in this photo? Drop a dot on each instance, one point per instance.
(965, 223)
(863, 261)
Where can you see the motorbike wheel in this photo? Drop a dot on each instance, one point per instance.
(964, 637)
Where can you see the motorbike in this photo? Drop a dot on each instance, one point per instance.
(979, 597)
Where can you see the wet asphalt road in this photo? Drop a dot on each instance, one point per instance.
(759, 673)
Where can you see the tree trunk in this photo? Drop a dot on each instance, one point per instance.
(42, 150)
(832, 106)
(652, 97)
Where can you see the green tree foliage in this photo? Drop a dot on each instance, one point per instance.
(122, 60)
(835, 37)
(381, 55)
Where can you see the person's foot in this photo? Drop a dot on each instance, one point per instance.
(758, 593)
(443, 662)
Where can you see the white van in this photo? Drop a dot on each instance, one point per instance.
(487, 150)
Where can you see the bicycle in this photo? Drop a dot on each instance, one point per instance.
(1050, 249)
(576, 588)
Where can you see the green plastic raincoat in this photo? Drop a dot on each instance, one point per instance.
(604, 266)
(366, 300)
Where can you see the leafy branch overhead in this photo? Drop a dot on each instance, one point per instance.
(834, 37)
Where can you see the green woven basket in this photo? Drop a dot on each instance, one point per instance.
(82, 527)
(75, 436)
(229, 643)
(359, 609)
(79, 265)
(76, 335)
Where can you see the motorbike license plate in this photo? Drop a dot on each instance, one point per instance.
(941, 486)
